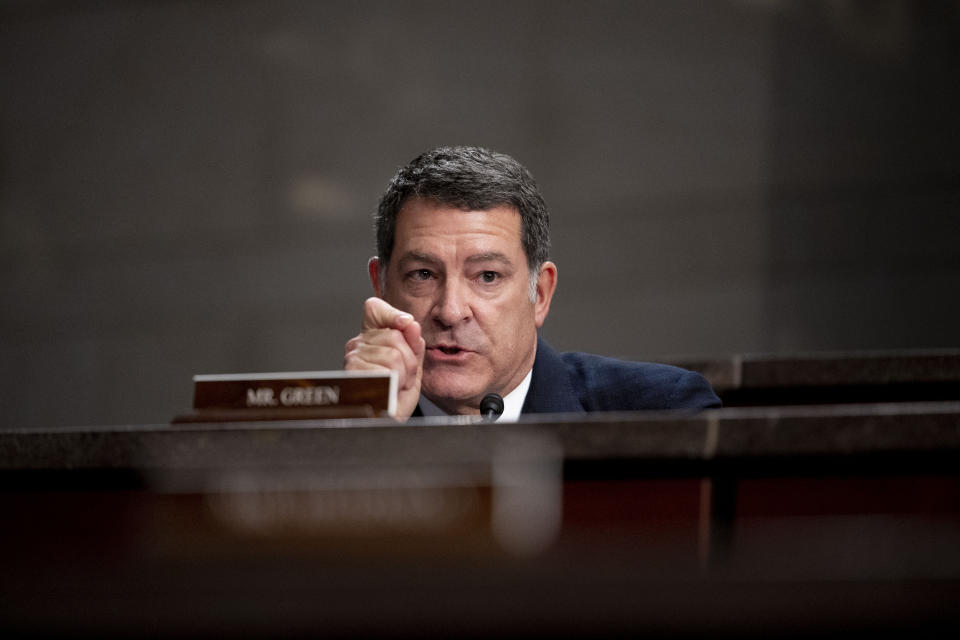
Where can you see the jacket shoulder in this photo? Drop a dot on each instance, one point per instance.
(609, 384)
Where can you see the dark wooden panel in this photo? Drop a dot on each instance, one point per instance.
(766, 522)
(833, 378)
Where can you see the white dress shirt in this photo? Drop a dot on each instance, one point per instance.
(512, 402)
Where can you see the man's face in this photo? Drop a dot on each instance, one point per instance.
(464, 276)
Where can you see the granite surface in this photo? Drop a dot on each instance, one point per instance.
(728, 433)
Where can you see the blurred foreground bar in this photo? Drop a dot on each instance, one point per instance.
(748, 522)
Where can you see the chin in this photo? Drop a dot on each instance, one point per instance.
(455, 391)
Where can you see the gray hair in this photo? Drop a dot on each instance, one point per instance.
(472, 179)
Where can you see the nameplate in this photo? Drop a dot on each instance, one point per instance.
(295, 395)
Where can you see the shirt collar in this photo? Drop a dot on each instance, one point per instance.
(512, 402)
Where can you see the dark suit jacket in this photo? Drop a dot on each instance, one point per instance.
(581, 382)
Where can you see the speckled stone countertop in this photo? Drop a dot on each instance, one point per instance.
(932, 427)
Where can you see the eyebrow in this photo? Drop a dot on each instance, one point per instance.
(414, 256)
(426, 258)
(490, 256)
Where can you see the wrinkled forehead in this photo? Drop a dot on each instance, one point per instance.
(424, 217)
(436, 228)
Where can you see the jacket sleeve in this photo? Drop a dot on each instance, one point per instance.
(694, 392)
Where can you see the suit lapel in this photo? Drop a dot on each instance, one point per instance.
(550, 388)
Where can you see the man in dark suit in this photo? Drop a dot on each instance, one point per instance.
(463, 283)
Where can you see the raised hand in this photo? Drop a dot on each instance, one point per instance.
(390, 340)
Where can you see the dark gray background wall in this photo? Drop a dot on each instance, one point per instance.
(186, 187)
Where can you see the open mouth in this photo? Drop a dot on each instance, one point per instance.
(448, 350)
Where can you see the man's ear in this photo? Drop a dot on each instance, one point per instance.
(373, 267)
(546, 285)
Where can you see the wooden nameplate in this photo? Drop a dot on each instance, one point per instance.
(297, 395)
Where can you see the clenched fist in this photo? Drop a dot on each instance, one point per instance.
(391, 341)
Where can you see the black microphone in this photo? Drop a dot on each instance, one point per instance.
(491, 407)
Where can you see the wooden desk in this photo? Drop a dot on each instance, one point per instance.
(757, 521)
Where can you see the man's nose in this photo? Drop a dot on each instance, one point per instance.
(453, 305)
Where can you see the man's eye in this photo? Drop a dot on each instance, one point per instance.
(489, 277)
(420, 274)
